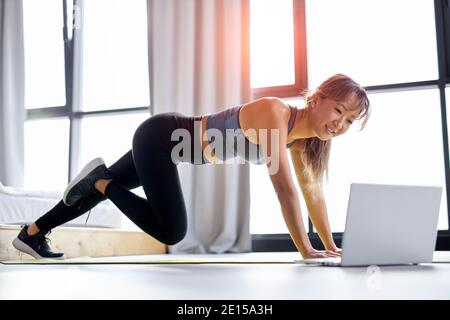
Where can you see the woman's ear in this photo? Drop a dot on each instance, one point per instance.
(317, 100)
(313, 101)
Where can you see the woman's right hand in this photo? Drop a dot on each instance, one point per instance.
(314, 254)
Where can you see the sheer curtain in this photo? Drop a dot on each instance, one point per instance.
(12, 93)
(199, 64)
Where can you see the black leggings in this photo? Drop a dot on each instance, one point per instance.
(148, 164)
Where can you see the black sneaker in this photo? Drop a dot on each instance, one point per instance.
(83, 184)
(35, 245)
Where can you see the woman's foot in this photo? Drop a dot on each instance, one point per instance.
(101, 184)
(33, 229)
(83, 184)
(35, 245)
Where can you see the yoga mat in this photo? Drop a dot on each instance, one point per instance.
(151, 260)
(438, 257)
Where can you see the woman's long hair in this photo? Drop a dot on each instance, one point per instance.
(316, 153)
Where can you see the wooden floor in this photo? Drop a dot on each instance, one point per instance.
(224, 281)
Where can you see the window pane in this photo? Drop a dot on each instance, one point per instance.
(44, 53)
(110, 137)
(271, 43)
(46, 154)
(401, 144)
(265, 211)
(115, 61)
(373, 41)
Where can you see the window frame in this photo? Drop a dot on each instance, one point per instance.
(444, 18)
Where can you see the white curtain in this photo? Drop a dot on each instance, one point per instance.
(199, 64)
(12, 93)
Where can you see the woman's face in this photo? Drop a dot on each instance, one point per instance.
(331, 118)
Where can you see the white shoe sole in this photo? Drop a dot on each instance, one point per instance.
(86, 170)
(23, 247)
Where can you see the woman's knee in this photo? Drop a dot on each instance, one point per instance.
(170, 237)
(175, 236)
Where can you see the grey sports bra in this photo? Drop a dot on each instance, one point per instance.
(223, 129)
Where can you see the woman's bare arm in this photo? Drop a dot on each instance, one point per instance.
(274, 148)
(315, 202)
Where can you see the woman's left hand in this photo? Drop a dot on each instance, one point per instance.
(335, 251)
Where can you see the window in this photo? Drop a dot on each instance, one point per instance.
(398, 63)
(111, 39)
(45, 88)
(46, 154)
(277, 47)
(114, 55)
(44, 54)
(401, 144)
(95, 130)
(348, 37)
(272, 23)
(266, 217)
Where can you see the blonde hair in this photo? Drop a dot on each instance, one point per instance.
(316, 152)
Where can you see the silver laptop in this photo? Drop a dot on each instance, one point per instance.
(388, 225)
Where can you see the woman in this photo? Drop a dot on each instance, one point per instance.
(260, 132)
